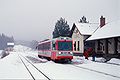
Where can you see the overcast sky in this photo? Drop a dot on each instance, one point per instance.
(35, 19)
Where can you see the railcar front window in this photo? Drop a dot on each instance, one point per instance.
(65, 46)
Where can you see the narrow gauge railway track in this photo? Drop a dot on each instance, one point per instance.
(33, 67)
(104, 73)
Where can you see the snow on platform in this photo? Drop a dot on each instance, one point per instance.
(12, 68)
(114, 61)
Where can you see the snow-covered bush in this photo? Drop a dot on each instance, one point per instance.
(4, 53)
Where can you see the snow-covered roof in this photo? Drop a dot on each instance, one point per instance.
(87, 28)
(109, 30)
(10, 43)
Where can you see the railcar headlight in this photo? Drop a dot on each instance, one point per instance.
(71, 53)
(59, 53)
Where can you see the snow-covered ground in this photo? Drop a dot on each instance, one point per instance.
(1, 53)
(11, 67)
(114, 61)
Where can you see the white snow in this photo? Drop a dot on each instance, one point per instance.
(87, 28)
(12, 68)
(114, 61)
(20, 48)
(103, 67)
(10, 44)
(1, 53)
(109, 30)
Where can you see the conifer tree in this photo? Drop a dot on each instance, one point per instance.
(83, 20)
(61, 29)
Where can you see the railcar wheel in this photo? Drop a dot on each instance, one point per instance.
(48, 58)
(39, 56)
(67, 60)
(56, 61)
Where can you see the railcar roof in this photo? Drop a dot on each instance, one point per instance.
(62, 38)
(44, 41)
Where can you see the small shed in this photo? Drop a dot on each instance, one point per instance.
(10, 44)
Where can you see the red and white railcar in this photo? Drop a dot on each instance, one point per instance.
(58, 49)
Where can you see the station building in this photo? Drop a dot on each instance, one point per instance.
(107, 40)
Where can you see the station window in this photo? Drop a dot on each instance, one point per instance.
(78, 46)
(75, 46)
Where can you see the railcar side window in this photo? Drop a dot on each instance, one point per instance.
(40, 47)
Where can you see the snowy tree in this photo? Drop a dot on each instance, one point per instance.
(4, 40)
(33, 44)
(83, 20)
(61, 29)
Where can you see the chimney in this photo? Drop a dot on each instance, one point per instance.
(102, 21)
